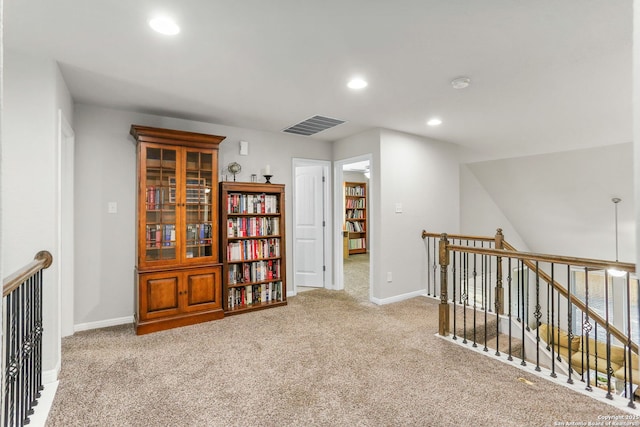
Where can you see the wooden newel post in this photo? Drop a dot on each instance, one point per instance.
(443, 328)
(499, 244)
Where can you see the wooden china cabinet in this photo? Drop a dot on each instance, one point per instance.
(178, 270)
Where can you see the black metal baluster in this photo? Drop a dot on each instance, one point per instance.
(453, 241)
(510, 304)
(586, 327)
(497, 316)
(465, 296)
(475, 299)
(521, 272)
(485, 302)
(569, 322)
(548, 305)
(630, 394)
(553, 359)
(537, 314)
(608, 334)
(429, 266)
(434, 268)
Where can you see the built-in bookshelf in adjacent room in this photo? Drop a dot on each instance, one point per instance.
(355, 217)
(252, 245)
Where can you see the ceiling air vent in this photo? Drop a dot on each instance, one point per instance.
(313, 125)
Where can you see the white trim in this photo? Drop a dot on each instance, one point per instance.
(398, 298)
(103, 323)
(326, 167)
(65, 232)
(50, 376)
(45, 402)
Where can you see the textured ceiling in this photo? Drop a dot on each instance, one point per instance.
(547, 75)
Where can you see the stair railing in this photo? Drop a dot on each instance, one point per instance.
(22, 323)
(532, 286)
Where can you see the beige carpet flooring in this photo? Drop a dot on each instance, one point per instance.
(325, 359)
(356, 277)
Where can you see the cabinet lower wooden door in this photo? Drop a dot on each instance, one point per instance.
(172, 298)
(203, 289)
(160, 294)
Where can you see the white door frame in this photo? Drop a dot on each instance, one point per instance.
(326, 201)
(65, 237)
(339, 218)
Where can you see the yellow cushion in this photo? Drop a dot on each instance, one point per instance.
(617, 353)
(559, 341)
(635, 375)
(598, 363)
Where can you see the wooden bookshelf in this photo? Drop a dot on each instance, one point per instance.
(178, 270)
(252, 246)
(355, 216)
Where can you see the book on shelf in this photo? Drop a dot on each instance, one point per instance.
(354, 191)
(253, 249)
(246, 296)
(253, 226)
(355, 203)
(256, 271)
(240, 203)
(357, 243)
(355, 227)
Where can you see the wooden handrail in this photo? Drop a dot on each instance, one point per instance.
(426, 234)
(557, 259)
(42, 260)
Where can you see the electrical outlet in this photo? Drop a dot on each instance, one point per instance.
(389, 278)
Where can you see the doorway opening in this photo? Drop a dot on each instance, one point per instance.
(353, 191)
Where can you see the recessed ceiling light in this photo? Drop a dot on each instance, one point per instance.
(357, 83)
(164, 25)
(461, 82)
(434, 122)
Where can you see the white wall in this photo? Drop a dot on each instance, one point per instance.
(479, 214)
(106, 172)
(422, 175)
(560, 203)
(33, 93)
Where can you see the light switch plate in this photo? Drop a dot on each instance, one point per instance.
(112, 207)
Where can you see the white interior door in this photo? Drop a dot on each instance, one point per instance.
(309, 224)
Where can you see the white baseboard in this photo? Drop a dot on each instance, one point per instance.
(102, 323)
(397, 298)
(50, 376)
(45, 402)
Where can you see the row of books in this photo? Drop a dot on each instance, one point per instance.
(155, 197)
(198, 232)
(257, 271)
(357, 243)
(252, 203)
(354, 191)
(355, 203)
(254, 226)
(161, 235)
(165, 234)
(253, 249)
(355, 213)
(355, 226)
(255, 294)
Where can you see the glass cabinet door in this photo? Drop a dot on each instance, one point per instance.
(199, 197)
(160, 204)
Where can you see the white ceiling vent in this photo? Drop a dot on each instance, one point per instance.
(313, 125)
